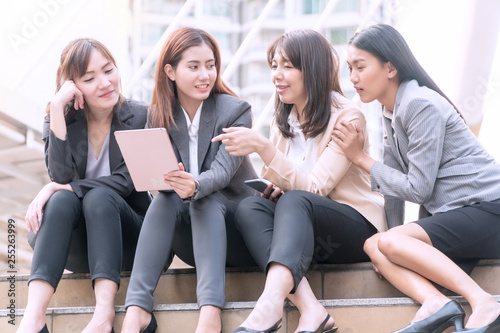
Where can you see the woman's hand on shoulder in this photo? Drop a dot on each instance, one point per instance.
(181, 182)
(350, 138)
(35, 210)
(67, 93)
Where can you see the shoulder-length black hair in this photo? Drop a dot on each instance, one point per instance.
(388, 45)
(314, 56)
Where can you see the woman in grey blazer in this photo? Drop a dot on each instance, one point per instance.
(196, 219)
(433, 159)
(88, 218)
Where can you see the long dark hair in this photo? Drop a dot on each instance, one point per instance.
(314, 56)
(388, 45)
(165, 90)
(74, 62)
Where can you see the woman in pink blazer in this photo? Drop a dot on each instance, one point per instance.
(319, 208)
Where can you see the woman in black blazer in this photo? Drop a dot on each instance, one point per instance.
(89, 217)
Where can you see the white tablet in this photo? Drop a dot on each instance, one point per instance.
(148, 154)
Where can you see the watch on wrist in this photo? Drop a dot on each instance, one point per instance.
(197, 189)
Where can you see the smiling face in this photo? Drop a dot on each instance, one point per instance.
(100, 85)
(194, 76)
(372, 79)
(289, 81)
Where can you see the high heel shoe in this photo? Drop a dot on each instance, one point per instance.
(272, 329)
(321, 327)
(450, 314)
(152, 326)
(494, 327)
(44, 329)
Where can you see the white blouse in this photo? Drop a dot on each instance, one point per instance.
(193, 128)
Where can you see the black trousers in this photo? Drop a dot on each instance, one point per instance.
(302, 228)
(201, 233)
(96, 234)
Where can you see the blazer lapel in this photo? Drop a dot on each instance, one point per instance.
(391, 133)
(206, 131)
(179, 136)
(118, 123)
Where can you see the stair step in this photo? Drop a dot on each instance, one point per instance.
(368, 315)
(244, 284)
(359, 301)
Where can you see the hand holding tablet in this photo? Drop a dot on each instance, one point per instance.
(149, 155)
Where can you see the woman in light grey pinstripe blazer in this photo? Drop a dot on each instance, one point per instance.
(430, 158)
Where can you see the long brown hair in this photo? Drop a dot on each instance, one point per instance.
(314, 56)
(165, 90)
(74, 62)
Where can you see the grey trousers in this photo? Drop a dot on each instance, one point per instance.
(201, 233)
(302, 228)
(97, 233)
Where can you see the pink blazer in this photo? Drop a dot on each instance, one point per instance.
(333, 174)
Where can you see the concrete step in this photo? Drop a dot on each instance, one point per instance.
(369, 315)
(242, 284)
(353, 294)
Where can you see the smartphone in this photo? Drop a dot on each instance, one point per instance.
(258, 184)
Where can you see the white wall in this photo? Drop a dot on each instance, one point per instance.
(34, 32)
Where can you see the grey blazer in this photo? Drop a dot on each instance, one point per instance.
(66, 160)
(218, 171)
(431, 157)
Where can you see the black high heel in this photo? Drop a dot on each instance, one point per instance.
(322, 327)
(44, 329)
(450, 314)
(152, 326)
(494, 327)
(272, 329)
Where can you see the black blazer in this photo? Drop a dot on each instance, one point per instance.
(66, 160)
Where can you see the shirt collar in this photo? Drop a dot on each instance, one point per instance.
(195, 125)
(293, 121)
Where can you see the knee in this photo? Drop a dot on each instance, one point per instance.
(98, 194)
(371, 245)
(293, 202)
(245, 212)
(388, 243)
(207, 205)
(99, 201)
(62, 203)
(63, 197)
(293, 198)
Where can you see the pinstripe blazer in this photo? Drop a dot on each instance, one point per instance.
(431, 157)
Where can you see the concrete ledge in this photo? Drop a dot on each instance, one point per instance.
(178, 286)
(369, 315)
